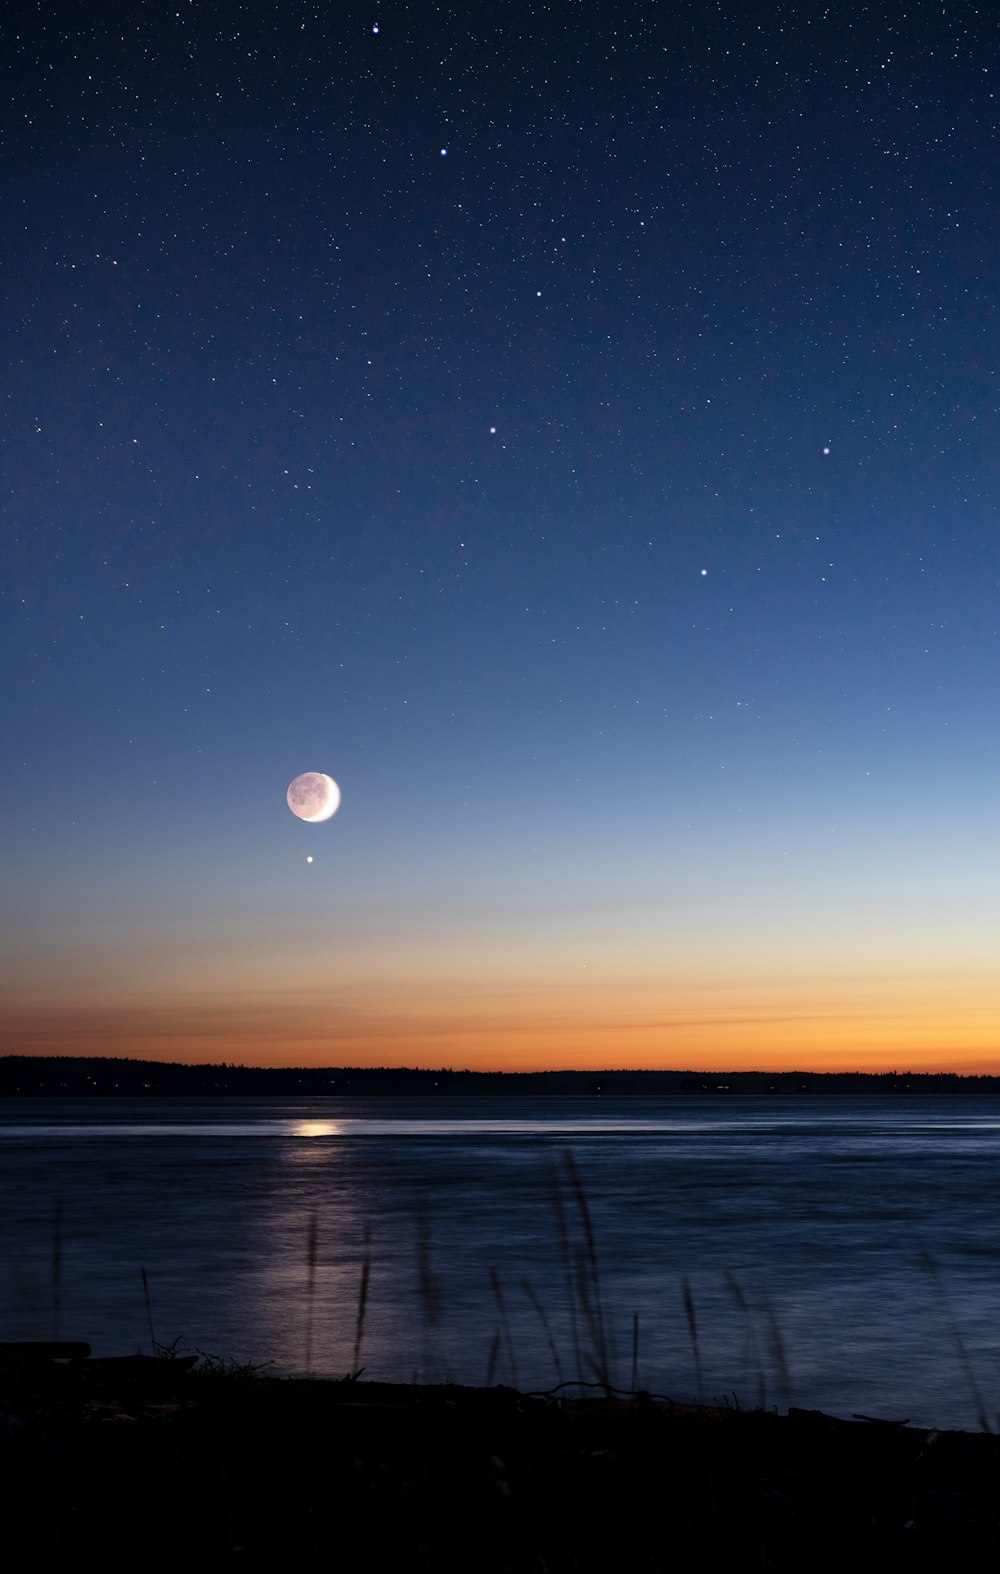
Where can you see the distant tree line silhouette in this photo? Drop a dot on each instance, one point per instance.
(92, 1076)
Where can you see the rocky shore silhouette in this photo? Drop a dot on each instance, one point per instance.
(150, 1460)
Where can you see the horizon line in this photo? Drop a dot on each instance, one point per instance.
(481, 1071)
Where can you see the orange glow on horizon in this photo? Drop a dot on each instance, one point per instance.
(433, 1034)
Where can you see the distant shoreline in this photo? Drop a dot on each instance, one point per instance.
(66, 1076)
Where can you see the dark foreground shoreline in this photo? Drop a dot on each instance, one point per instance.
(142, 1463)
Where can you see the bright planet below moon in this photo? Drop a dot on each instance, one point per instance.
(313, 797)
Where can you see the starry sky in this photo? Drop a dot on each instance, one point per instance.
(571, 426)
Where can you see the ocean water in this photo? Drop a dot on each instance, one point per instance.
(826, 1252)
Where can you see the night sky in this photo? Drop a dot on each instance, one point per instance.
(573, 427)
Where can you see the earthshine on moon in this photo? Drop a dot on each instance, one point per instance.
(313, 797)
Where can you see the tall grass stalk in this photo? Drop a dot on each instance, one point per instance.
(776, 1346)
(148, 1303)
(491, 1360)
(359, 1326)
(955, 1332)
(634, 1384)
(428, 1286)
(311, 1259)
(588, 1277)
(566, 1258)
(692, 1323)
(752, 1348)
(427, 1280)
(504, 1323)
(57, 1256)
(539, 1312)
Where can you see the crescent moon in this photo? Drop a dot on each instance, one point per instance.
(313, 797)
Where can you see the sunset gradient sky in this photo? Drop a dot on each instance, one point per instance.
(574, 428)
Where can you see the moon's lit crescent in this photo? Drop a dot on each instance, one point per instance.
(313, 797)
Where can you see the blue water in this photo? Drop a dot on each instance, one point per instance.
(803, 1228)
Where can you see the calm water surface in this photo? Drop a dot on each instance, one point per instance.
(802, 1226)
